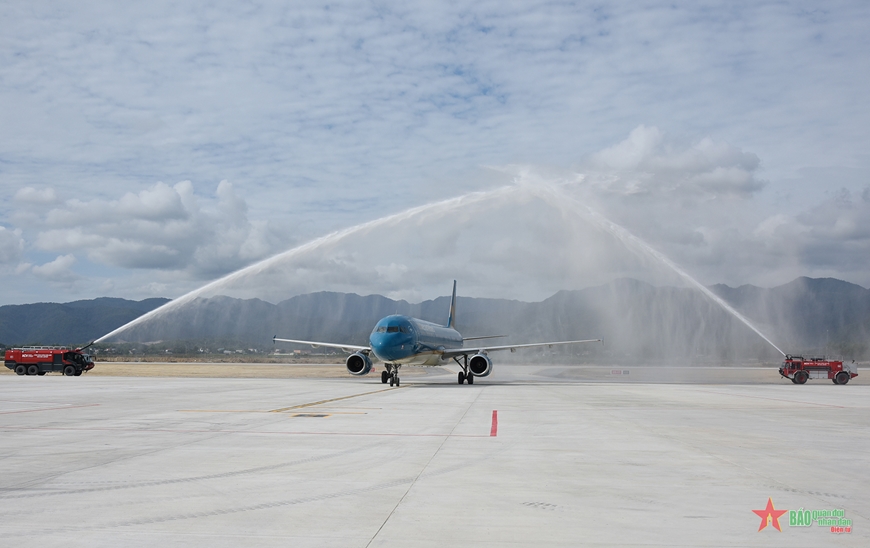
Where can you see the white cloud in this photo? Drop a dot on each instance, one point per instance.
(767, 230)
(11, 246)
(33, 196)
(57, 271)
(647, 163)
(641, 145)
(161, 227)
(159, 203)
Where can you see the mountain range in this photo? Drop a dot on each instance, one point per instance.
(637, 320)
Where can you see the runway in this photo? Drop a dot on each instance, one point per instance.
(531, 456)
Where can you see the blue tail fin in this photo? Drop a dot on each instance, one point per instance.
(452, 316)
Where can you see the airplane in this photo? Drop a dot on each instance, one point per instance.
(399, 340)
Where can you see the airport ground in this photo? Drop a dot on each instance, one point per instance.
(304, 455)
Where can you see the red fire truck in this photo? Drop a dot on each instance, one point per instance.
(799, 369)
(39, 360)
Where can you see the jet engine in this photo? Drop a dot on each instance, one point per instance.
(358, 364)
(480, 365)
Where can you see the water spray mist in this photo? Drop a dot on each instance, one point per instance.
(551, 193)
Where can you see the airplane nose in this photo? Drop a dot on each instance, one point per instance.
(378, 346)
(389, 347)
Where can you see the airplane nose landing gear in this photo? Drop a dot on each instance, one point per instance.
(391, 374)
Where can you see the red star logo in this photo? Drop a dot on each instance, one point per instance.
(769, 516)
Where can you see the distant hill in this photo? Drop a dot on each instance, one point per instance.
(637, 320)
(811, 315)
(72, 323)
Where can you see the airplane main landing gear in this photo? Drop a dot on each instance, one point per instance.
(385, 377)
(464, 375)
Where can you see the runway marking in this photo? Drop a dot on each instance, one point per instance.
(493, 431)
(248, 432)
(291, 408)
(49, 408)
(222, 411)
(774, 399)
(328, 412)
(331, 400)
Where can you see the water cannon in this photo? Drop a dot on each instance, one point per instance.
(85, 347)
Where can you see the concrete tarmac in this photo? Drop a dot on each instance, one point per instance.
(531, 456)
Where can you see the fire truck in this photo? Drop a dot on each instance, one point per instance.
(39, 360)
(800, 369)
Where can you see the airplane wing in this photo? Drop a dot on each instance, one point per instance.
(315, 344)
(452, 352)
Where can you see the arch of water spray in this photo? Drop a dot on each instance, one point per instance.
(552, 193)
(560, 198)
(465, 200)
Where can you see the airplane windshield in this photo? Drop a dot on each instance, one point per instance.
(393, 329)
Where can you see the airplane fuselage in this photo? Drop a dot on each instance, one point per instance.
(410, 341)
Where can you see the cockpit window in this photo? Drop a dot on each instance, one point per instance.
(393, 329)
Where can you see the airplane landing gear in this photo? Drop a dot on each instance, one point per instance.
(391, 374)
(464, 375)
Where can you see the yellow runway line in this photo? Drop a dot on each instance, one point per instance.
(300, 406)
(222, 411)
(321, 402)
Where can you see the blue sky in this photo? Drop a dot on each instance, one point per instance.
(148, 149)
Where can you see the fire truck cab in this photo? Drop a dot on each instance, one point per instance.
(33, 360)
(799, 369)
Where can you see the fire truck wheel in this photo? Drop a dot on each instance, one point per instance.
(32, 369)
(842, 377)
(69, 371)
(801, 377)
(20, 369)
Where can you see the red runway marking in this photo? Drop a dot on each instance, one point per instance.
(493, 432)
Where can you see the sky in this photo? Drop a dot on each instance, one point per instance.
(148, 149)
